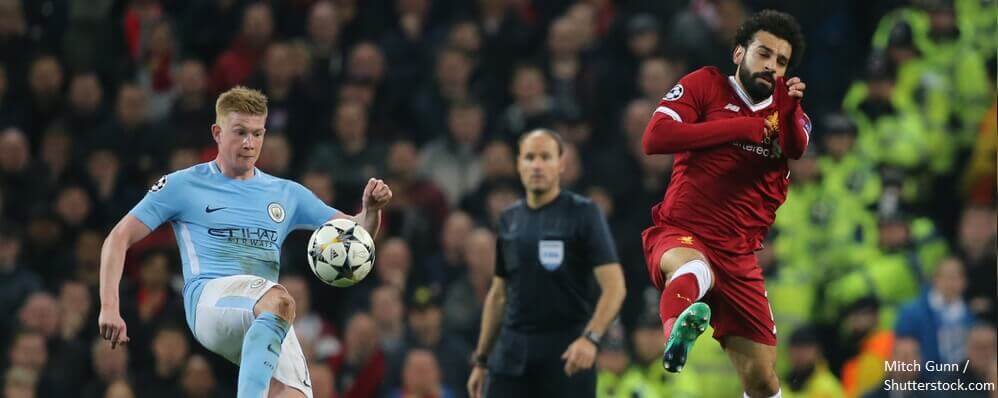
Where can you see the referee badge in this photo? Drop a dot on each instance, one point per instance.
(551, 253)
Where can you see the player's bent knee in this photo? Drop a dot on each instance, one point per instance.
(674, 258)
(277, 301)
(761, 381)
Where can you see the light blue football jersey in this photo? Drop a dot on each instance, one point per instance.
(226, 226)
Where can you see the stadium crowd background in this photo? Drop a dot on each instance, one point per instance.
(885, 249)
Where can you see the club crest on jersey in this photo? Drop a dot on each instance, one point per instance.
(158, 185)
(675, 93)
(276, 212)
(774, 120)
(551, 253)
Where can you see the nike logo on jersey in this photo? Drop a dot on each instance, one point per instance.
(208, 209)
(306, 383)
(732, 107)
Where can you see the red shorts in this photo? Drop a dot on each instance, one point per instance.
(738, 301)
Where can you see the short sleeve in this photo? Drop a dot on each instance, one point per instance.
(684, 101)
(161, 203)
(310, 211)
(598, 239)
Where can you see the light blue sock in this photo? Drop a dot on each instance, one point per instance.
(261, 348)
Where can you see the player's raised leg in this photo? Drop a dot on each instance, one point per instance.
(756, 366)
(688, 278)
(274, 312)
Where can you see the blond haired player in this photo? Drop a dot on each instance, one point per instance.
(230, 220)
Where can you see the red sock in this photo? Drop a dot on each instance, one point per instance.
(679, 294)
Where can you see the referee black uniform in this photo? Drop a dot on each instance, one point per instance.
(547, 256)
(542, 322)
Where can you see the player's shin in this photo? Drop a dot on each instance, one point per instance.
(684, 319)
(688, 284)
(261, 349)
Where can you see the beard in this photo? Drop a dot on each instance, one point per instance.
(753, 86)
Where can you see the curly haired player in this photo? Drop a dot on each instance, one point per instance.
(732, 136)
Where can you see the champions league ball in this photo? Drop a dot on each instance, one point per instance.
(341, 253)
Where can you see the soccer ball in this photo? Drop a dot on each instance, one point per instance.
(341, 253)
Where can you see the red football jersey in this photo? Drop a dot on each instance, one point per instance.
(728, 177)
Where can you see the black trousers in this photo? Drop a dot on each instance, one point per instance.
(543, 381)
(530, 366)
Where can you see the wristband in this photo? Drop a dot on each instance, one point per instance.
(592, 337)
(480, 360)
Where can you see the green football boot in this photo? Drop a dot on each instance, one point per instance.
(685, 330)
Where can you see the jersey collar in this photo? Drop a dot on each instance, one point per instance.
(746, 98)
(213, 167)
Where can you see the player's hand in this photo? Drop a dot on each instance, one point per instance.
(376, 195)
(112, 327)
(476, 381)
(796, 87)
(579, 356)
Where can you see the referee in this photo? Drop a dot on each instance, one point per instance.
(539, 310)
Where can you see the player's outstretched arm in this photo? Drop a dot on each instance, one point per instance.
(668, 134)
(112, 261)
(377, 194)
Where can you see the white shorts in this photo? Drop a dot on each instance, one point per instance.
(225, 312)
